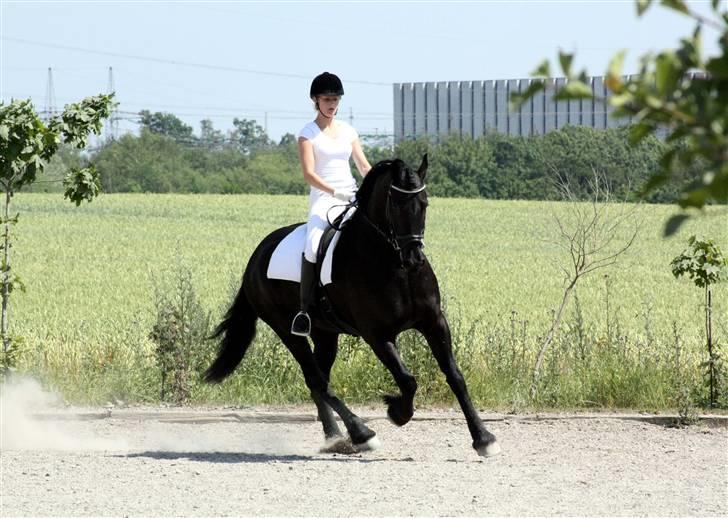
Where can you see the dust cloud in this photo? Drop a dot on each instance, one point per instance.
(22, 403)
(34, 419)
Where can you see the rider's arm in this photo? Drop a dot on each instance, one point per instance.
(305, 152)
(362, 164)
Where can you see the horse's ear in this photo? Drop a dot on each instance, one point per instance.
(422, 171)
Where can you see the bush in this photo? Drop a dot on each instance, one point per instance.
(180, 334)
(494, 166)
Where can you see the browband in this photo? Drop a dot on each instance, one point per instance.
(415, 191)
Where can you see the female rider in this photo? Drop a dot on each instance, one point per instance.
(324, 147)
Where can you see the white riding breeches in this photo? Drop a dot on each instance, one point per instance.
(321, 206)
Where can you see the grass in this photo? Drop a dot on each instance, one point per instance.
(633, 340)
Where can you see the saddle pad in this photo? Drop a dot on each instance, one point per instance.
(285, 263)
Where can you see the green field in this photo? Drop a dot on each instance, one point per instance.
(634, 339)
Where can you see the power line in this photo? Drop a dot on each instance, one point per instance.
(179, 63)
(211, 110)
(134, 115)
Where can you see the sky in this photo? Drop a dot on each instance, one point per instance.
(224, 59)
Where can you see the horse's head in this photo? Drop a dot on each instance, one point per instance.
(394, 200)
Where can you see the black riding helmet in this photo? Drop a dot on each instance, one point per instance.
(326, 84)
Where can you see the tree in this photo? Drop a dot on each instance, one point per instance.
(679, 90)
(147, 163)
(288, 139)
(26, 146)
(706, 265)
(248, 135)
(590, 236)
(209, 136)
(166, 124)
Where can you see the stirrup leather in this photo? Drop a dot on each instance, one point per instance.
(301, 325)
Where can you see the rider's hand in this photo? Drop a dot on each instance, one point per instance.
(344, 194)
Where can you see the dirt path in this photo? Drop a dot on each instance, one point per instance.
(202, 462)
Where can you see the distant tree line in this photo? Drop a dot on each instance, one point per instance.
(167, 157)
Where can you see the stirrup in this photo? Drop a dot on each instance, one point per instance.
(301, 325)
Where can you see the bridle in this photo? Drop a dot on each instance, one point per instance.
(396, 241)
(405, 239)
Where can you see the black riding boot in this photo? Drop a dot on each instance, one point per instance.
(301, 322)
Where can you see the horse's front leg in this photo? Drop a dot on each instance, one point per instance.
(399, 408)
(437, 333)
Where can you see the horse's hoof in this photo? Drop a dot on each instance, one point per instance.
(338, 444)
(489, 450)
(372, 444)
(395, 414)
(396, 418)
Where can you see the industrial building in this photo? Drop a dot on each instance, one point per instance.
(473, 108)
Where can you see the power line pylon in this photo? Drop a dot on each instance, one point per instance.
(112, 127)
(50, 98)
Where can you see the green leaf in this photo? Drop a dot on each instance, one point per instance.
(653, 102)
(718, 66)
(674, 223)
(655, 181)
(694, 198)
(517, 99)
(614, 79)
(82, 184)
(666, 73)
(622, 99)
(677, 5)
(642, 6)
(574, 89)
(667, 159)
(710, 269)
(4, 132)
(565, 60)
(543, 70)
(638, 132)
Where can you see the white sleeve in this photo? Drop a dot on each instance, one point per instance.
(353, 134)
(306, 132)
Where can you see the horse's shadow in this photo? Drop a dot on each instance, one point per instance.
(253, 458)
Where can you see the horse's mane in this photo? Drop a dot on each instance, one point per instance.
(370, 180)
(398, 172)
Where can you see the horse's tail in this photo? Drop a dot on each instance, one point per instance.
(238, 328)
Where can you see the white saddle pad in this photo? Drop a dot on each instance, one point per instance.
(285, 263)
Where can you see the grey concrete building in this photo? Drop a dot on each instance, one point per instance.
(475, 107)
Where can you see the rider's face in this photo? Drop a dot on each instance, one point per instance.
(328, 104)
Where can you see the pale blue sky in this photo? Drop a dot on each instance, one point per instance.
(220, 60)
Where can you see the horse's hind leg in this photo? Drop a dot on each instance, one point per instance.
(326, 346)
(361, 436)
(399, 408)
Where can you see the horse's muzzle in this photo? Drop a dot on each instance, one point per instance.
(413, 256)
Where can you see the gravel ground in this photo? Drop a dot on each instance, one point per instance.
(192, 462)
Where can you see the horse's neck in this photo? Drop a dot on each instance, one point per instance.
(367, 240)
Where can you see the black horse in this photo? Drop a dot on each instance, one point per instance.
(382, 284)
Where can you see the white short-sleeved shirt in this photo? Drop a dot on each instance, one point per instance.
(331, 155)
